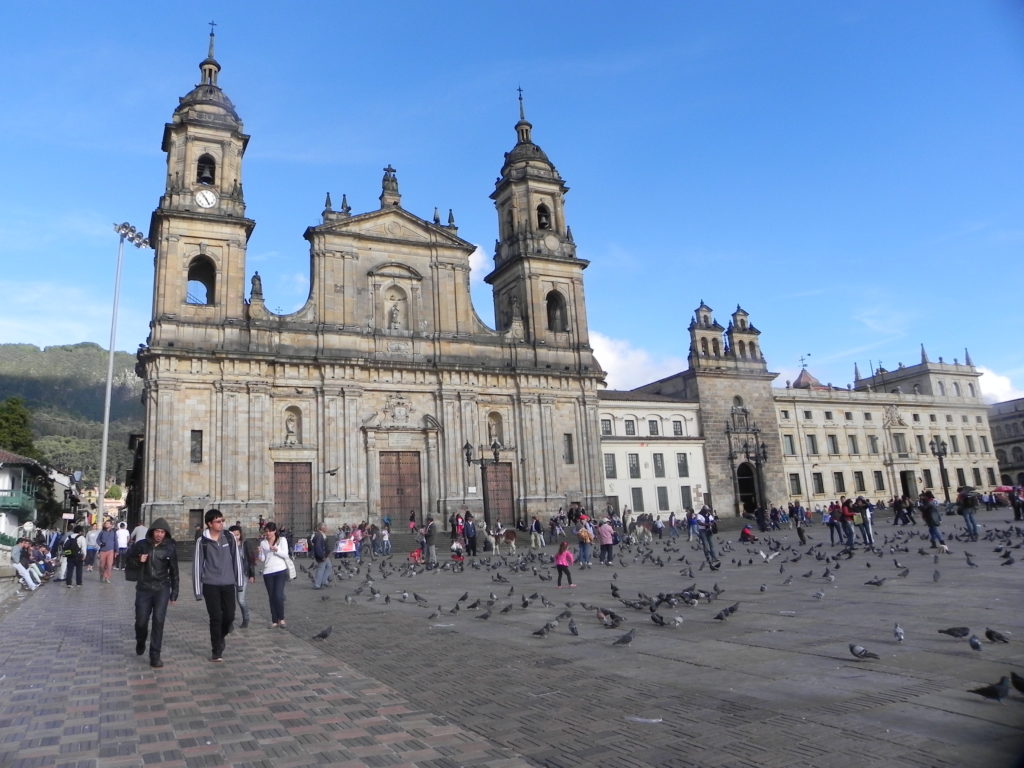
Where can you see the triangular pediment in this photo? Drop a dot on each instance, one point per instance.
(393, 224)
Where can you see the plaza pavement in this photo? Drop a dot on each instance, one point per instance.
(774, 684)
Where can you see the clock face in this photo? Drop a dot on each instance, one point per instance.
(551, 242)
(206, 198)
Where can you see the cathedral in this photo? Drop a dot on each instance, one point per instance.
(385, 395)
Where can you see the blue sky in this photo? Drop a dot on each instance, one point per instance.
(849, 172)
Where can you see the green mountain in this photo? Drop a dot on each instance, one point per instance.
(64, 387)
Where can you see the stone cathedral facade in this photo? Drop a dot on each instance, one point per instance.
(366, 401)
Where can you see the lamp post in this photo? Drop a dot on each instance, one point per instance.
(940, 451)
(753, 449)
(758, 453)
(125, 232)
(467, 449)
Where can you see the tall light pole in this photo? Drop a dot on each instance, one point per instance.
(939, 451)
(126, 232)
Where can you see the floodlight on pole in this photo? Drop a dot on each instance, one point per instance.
(126, 233)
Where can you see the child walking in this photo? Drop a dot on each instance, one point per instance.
(563, 560)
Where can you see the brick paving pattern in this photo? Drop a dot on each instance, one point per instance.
(772, 685)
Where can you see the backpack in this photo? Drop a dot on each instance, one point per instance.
(970, 500)
(72, 550)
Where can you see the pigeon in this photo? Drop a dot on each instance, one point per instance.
(573, 629)
(904, 573)
(722, 615)
(324, 633)
(876, 582)
(819, 595)
(936, 575)
(485, 615)
(956, 631)
(975, 642)
(788, 581)
(997, 691)
(1018, 681)
(658, 619)
(995, 636)
(764, 587)
(626, 639)
(897, 632)
(542, 632)
(464, 598)
(861, 652)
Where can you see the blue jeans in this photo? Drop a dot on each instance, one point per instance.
(151, 606)
(322, 574)
(847, 528)
(935, 534)
(707, 543)
(275, 591)
(585, 549)
(969, 522)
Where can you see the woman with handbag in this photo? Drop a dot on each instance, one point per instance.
(277, 565)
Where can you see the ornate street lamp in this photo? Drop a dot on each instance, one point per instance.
(126, 233)
(940, 450)
(495, 449)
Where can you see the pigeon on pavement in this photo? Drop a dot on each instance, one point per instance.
(997, 691)
(975, 642)
(861, 652)
(956, 631)
(995, 636)
(898, 632)
(626, 639)
(324, 633)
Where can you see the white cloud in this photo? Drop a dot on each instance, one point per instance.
(629, 366)
(479, 265)
(995, 387)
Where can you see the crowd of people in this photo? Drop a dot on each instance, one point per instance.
(226, 562)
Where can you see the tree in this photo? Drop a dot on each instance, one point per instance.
(15, 431)
(114, 492)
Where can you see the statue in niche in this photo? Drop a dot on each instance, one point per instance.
(291, 429)
(494, 430)
(257, 286)
(394, 317)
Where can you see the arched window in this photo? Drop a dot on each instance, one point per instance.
(206, 170)
(942, 389)
(956, 389)
(753, 351)
(1018, 454)
(970, 388)
(1000, 456)
(716, 348)
(558, 318)
(743, 349)
(202, 281)
(706, 319)
(704, 347)
(737, 401)
(543, 217)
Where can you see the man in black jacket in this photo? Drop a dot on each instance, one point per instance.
(154, 562)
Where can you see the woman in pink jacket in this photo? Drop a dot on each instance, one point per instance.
(563, 560)
(606, 535)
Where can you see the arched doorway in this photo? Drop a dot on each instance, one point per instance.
(746, 486)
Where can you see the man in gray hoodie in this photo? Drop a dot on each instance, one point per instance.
(218, 576)
(153, 564)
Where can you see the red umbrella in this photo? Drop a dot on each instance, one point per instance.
(1003, 489)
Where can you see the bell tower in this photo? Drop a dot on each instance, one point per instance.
(537, 279)
(199, 229)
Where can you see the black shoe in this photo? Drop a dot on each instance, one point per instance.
(155, 662)
(140, 647)
(244, 624)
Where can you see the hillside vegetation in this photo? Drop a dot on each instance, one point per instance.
(63, 387)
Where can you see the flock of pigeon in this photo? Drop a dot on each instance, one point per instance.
(899, 543)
